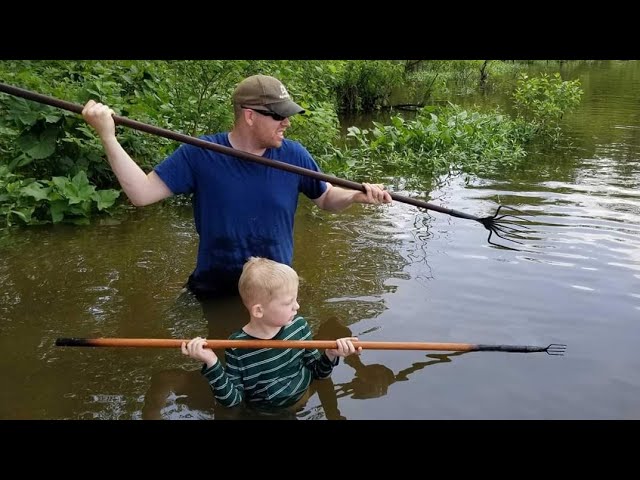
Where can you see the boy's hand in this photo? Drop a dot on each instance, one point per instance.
(345, 348)
(196, 349)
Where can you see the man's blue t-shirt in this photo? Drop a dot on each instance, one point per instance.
(240, 208)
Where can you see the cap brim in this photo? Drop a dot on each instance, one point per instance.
(286, 108)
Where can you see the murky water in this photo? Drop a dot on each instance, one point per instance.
(392, 273)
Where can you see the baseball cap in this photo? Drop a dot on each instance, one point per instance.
(265, 91)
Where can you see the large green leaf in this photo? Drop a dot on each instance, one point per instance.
(105, 198)
(24, 213)
(24, 111)
(58, 208)
(39, 146)
(52, 117)
(36, 190)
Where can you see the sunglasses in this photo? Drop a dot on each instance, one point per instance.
(268, 113)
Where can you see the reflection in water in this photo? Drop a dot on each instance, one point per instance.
(369, 381)
(348, 266)
(373, 381)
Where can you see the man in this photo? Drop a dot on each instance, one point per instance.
(241, 209)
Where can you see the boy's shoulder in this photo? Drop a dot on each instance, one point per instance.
(298, 319)
(239, 335)
(298, 323)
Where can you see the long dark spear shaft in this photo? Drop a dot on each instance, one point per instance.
(179, 137)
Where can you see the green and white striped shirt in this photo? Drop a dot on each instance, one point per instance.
(268, 377)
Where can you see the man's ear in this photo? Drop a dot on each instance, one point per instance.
(256, 310)
(249, 115)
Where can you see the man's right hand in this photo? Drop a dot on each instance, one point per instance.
(100, 117)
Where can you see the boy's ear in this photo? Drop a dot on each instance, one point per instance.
(256, 310)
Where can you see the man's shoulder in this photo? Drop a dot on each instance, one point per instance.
(292, 146)
(221, 138)
(188, 150)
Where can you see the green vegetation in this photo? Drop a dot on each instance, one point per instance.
(543, 101)
(52, 166)
(35, 201)
(450, 140)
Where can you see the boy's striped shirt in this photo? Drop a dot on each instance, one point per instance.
(268, 377)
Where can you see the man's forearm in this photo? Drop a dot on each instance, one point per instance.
(337, 198)
(132, 179)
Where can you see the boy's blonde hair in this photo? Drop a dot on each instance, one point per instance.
(262, 278)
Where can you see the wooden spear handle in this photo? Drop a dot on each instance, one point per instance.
(321, 344)
(552, 349)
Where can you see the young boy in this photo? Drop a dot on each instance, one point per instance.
(267, 377)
